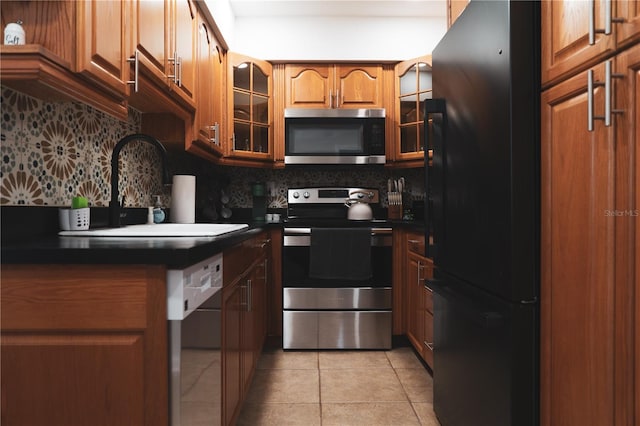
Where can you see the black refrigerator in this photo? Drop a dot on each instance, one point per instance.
(482, 214)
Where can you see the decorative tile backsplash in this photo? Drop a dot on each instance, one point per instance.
(52, 151)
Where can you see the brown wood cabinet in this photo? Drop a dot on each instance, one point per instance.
(570, 43)
(83, 344)
(412, 87)
(589, 342)
(334, 86)
(244, 318)
(250, 114)
(454, 9)
(210, 95)
(418, 298)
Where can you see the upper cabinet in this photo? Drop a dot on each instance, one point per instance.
(250, 109)
(210, 72)
(334, 86)
(75, 50)
(454, 9)
(164, 39)
(577, 35)
(413, 86)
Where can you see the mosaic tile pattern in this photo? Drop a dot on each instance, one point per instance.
(52, 151)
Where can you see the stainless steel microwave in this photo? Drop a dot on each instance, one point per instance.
(334, 136)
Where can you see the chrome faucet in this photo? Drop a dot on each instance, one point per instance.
(114, 204)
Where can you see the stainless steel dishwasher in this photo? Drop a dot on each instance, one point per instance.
(194, 320)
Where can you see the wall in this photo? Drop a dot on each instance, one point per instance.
(329, 38)
(54, 151)
(333, 38)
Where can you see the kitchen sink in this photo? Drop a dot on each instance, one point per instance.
(160, 230)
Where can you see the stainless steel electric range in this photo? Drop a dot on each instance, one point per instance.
(336, 273)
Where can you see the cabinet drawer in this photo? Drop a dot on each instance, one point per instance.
(427, 350)
(415, 243)
(428, 300)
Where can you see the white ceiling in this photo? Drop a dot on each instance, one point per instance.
(343, 8)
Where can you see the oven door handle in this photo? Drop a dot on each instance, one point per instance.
(307, 231)
(301, 237)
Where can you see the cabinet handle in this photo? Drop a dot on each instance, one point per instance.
(175, 63)
(265, 242)
(179, 71)
(414, 241)
(428, 288)
(429, 345)
(135, 71)
(249, 295)
(608, 20)
(608, 93)
(216, 129)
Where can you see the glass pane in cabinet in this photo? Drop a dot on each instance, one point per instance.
(242, 136)
(260, 80)
(424, 77)
(408, 138)
(408, 112)
(408, 81)
(241, 105)
(260, 109)
(422, 96)
(421, 136)
(260, 138)
(241, 76)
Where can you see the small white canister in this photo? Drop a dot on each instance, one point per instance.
(14, 33)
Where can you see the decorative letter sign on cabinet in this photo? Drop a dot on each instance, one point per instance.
(590, 287)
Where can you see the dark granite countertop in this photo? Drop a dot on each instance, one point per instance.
(42, 245)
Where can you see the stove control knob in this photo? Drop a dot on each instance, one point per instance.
(360, 195)
(306, 194)
(296, 195)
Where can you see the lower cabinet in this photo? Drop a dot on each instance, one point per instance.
(418, 297)
(244, 319)
(83, 345)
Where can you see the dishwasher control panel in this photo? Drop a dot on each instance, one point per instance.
(189, 288)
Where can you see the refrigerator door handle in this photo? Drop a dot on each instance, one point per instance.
(431, 106)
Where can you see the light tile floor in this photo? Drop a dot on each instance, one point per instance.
(347, 388)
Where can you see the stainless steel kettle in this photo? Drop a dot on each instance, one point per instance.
(359, 208)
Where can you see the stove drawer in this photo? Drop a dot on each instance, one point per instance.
(336, 330)
(337, 298)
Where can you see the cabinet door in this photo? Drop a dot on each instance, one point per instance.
(184, 35)
(208, 118)
(358, 87)
(250, 125)
(413, 86)
(627, 221)
(577, 264)
(415, 298)
(627, 31)
(232, 311)
(103, 31)
(151, 36)
(565, 41)
(309, 86)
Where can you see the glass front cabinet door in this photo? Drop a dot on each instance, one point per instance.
(251, 124)
(413, 86)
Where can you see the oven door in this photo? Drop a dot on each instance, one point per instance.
(296, 252)
(336, 313)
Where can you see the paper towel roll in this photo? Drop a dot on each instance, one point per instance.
(183, 199)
